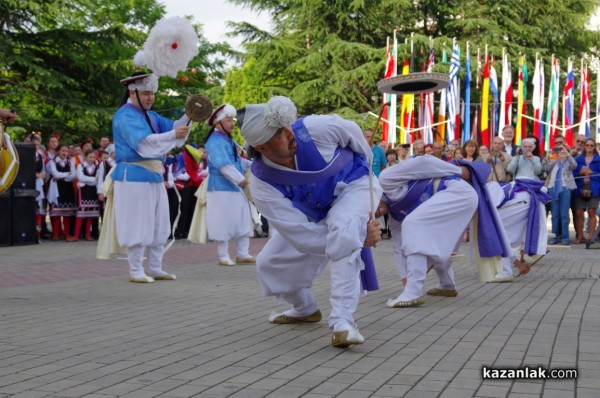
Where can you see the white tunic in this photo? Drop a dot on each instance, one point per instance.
(300, 248)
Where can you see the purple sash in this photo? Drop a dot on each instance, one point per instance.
(295, 177)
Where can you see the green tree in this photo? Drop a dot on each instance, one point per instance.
(62, 61)
(328, 56)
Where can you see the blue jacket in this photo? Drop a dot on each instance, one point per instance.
(595, 167)
(129, 128)
(219, 151)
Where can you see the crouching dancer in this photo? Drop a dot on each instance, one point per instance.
(430, 206)
(310, 180)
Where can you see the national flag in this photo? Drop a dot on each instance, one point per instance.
(505, 118)
(584, 108)
(519, 133)
(598, 107)
(407, 110)
(552, 107)
(494, 88)
(538, 102)
(442, 118)
(467, 113)
(388, 133)
(452, 97)
(569, 103)
(428, 105)
(485, 103)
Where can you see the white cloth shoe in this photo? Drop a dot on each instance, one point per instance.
(405, 300)
(226, 262)
(141, 279)
(346, 338)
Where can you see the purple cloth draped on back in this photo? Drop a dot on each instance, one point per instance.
(534, 188)
(489, 227)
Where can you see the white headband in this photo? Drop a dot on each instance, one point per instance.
(226, 111)
(261, 121)
(149, 83)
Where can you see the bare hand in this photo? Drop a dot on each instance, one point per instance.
(501, 156)
(101, 197)
(182, 132)
(243, 183)
(382, 209)
(373, 233)
(7, 116)
(465, 174)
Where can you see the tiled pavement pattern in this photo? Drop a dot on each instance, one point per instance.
(72, 326)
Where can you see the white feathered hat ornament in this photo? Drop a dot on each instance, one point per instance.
(170, 46)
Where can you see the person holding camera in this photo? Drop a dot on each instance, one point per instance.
(560, 165)
(587, 192)
(525, 164)
(498, 161)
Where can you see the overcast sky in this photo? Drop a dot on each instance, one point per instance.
(213, 15)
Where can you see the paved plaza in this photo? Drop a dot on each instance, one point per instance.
(73, 326)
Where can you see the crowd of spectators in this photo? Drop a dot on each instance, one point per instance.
(571, 174)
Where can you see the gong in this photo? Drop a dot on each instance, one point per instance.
(198, 107)
(414, 83)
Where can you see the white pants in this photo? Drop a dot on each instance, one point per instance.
(288, 274)
(429, 234)
(142, 217)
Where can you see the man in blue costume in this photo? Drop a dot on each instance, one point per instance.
(227, 208)
(310, 180)
(142, 138)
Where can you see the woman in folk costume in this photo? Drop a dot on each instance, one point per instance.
(106, 163)
(142, 138)
(40, 179)
(89, 206)
(227, 209)
(61, 194)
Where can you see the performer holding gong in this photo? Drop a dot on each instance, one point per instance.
(142, 137)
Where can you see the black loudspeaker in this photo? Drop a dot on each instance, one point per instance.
(25, 178)
(23, 217)
(5, 218)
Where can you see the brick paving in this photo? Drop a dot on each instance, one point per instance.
(72, 326)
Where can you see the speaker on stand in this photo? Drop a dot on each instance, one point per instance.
(5, 218)
(23, 217)
(25, 178)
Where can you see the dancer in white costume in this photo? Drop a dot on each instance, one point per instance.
(227, 209)
(310, 180)
(517, 211)
(430, 206)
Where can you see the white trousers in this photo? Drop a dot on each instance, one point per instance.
(288, 274)
(429, 234)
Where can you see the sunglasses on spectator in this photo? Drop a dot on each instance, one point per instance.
(580, 141)
(558, 142)
(590, 145)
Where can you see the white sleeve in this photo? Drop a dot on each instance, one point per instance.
(100, 174)
(55, 173)
(231, 173)
(73, 173)
(170, 178)
(304, 235)
(327, 131)
(393, 179)
(182, 121)
(156, 145)
(83, 179)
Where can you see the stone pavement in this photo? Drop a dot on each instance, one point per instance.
(72, 326)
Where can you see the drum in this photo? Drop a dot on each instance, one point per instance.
(9, 161)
